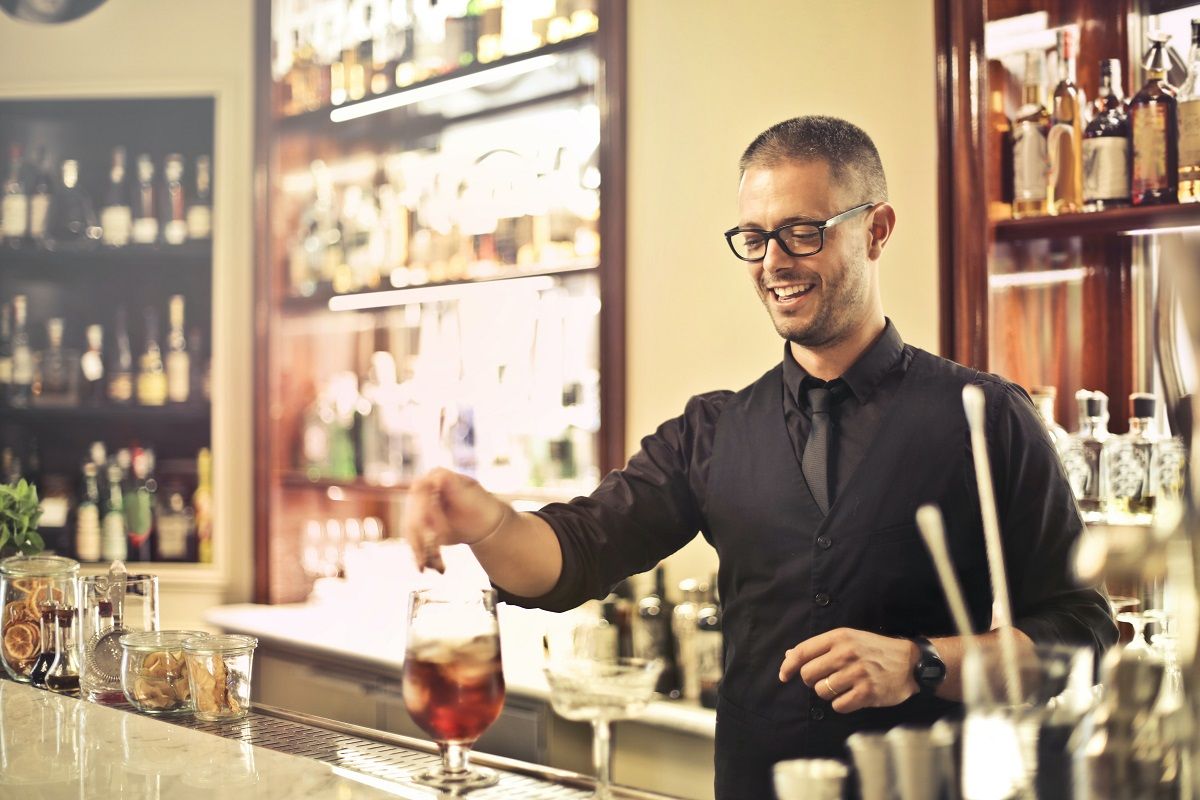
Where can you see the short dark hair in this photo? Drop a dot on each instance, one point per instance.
(845, 147)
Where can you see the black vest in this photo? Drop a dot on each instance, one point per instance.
(787, 573)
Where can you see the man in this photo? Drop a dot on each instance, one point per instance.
(806, 482)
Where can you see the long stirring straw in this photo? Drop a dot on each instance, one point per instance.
(973, 404)
(933, 531)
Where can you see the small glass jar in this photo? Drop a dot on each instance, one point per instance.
(219, 671)
(154, 675)
(31, 586)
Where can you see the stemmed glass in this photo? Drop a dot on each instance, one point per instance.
(453, 681)
(587, 684)
(1138, 620)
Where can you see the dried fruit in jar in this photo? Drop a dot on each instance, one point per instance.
(18, 611)
(154, 693)
(43, 595)
(21, 644)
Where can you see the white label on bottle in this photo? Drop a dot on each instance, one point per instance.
(1106, 168)
(116, 222)
(175, 232)
(112, 542)
(91, 364)
(22, 366)
(15, 213)
(1029, 162)
(145, 230)
(199, 222)
(38, 207)
(1189, 134)
(6, 370)
(87, 532)
(178, 377)
(54, 512)
(173, 532)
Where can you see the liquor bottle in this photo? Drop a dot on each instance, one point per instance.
(145, 203)
(91, 368)
(63, 676)
(71, 221)
(1106, 144)
(176, 526)
(55, 383)
(653, 637)
(200, 382)
(1065, 143)
(1125, 464)
(14, 209)
(47, 624)
(202, 506)
(1168, 471)
(683, 626)
(6, 353)
(21, 393)
(138, 503)
(174, 223)
(999, 176)
(1043, 400)
(39, 199)
(1189, 124)
(1153, 116)
(1030, 154)
(199, 212)
(120, 384)
(87, 516)
(710, 651)
(116, 215)
(1081, 454)
(113, 546)
(152, 375)
(179, 368)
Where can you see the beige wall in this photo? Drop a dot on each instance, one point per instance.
(179, 47)
(705, 76)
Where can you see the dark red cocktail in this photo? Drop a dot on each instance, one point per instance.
(454, 690)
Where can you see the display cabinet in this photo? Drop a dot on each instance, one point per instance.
(440, 261)
(106, 275)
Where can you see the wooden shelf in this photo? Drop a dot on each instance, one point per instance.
(169, 414)
(319, 301)
(320, 117)
(188, 254)
(1118, 221)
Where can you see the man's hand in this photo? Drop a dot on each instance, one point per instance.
(854, 669)
(444, 507)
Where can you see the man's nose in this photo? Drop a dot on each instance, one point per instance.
(775, 258)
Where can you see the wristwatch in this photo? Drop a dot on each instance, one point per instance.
(930, 670)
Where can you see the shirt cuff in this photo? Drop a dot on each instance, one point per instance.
(564, 596)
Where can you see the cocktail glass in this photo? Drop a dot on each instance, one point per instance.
(453, 681)
(601, 691)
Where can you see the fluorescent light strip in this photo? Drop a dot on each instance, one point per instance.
(1157, 231)
(434, 294)
(1050, 277)
(441, 89)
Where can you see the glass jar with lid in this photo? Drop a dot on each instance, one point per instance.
(154, 676)
(219, 674)
(32, 588)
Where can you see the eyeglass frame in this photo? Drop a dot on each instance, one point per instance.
(774, 234)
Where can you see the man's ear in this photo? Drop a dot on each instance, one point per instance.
(880, 227)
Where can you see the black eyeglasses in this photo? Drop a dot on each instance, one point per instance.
(797, 239)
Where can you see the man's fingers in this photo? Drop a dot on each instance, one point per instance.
(804, 652)
(852, 700)
(825, 664)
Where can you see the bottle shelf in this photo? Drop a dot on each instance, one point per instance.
(176, 414)
(437, 86)
(1117, 221)
(387, 297)
(74, 260)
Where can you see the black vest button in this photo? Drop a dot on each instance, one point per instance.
(821, 599)
(817, 714)
(824, 542)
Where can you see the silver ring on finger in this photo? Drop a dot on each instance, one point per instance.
(829, 687)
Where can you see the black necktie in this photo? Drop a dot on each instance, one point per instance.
(815, 463)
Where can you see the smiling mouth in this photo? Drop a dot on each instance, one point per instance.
(791, 292)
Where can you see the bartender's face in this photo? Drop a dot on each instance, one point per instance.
(837, 285)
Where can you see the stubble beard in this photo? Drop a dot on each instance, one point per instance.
(841, 303)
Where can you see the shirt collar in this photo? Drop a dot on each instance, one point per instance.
(863, 375)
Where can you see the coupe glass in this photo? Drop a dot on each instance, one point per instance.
(453, 682)
(1138, 643)
(601, 690)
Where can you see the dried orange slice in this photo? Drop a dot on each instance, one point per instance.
(26, 585)
(17, 611)
(44, 595)
(21, 642)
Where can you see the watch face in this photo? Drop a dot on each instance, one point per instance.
(48, 12)
(931, 671)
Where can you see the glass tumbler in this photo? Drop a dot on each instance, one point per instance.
(109, 609)
(154, 676)
(219, 675)
(31, 586)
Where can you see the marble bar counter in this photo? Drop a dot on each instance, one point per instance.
(54, 747)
